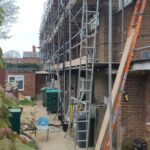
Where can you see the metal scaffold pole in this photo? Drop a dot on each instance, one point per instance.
(70, 74)
(110, 73)
(122, 23)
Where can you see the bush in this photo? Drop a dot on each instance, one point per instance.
(23, 65)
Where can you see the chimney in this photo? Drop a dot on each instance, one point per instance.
(33, 49)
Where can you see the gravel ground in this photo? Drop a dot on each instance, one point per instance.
(57, 139)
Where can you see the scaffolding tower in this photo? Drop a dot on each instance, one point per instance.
(67, 42)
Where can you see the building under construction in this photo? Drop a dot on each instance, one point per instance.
(74, 50)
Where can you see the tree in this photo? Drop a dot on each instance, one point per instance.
(12, 54)
(8, 16)
(1, 59)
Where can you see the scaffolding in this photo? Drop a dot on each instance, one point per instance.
(67, 29)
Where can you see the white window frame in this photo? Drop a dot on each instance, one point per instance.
(17, 76)
(126, 3)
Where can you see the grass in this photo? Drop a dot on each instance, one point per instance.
(27, 102)
(30, 143)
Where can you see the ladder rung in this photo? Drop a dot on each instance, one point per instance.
(88, 101)
(85, 90)
(84, 80)
(84, 69)
(88, 47)
(80, 121)
(80, 131)
(87, 58)
(89, 35)
(139, 13)
(90, 11)
(82, 140)
(89, 23)
(84, 111)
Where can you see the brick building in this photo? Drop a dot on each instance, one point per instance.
(134, 118)
(29, 80)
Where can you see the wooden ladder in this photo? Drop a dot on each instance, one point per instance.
(123, 70)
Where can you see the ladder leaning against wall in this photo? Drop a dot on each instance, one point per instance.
(90, 18)
(123, 70)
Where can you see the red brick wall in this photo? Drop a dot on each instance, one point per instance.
(31, 60)
(144, 34)
(2, 77)
(132, 115)
(102, 36)
(29, 83)
(117, 40)
(147, 109)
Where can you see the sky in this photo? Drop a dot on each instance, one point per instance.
(25, 32)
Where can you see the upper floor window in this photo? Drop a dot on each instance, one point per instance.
(126, 2)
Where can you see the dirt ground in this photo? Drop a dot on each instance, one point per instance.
(57, 139)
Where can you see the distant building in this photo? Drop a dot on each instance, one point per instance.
(33, 54)
(23, 70)
(28, 57)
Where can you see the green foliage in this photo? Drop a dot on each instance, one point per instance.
(12, 141)
(23, 65)
(27, 102)
(7, 144)
(4, 117)
(1, 59)
(2, 13)
(9, 140)
(30, 143)
(21, 146)
(8, 16)
(6, 102)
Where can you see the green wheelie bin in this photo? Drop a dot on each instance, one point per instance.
(15, 119)
(43, 90)
(52, 100)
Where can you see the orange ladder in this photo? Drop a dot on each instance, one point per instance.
(134, 25)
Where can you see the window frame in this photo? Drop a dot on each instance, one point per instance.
(17, 76)
(126, 3)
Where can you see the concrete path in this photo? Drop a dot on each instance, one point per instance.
(57, 140)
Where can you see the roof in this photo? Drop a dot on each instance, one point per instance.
(30, 54)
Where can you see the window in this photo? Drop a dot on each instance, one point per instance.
(19, 79)
(126, 2)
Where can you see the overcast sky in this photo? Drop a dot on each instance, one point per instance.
(25, 33)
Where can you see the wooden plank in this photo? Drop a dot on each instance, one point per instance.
(115, 89)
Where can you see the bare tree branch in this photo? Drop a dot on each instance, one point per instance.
(8, 16)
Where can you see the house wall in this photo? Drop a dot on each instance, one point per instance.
(102, 36)
(132, 113)
(29, 83)
(31, 60)
(100, 86)
(147, 109)
(144, 34)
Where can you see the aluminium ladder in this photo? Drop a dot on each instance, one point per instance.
(123, 70)
(86, 66)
